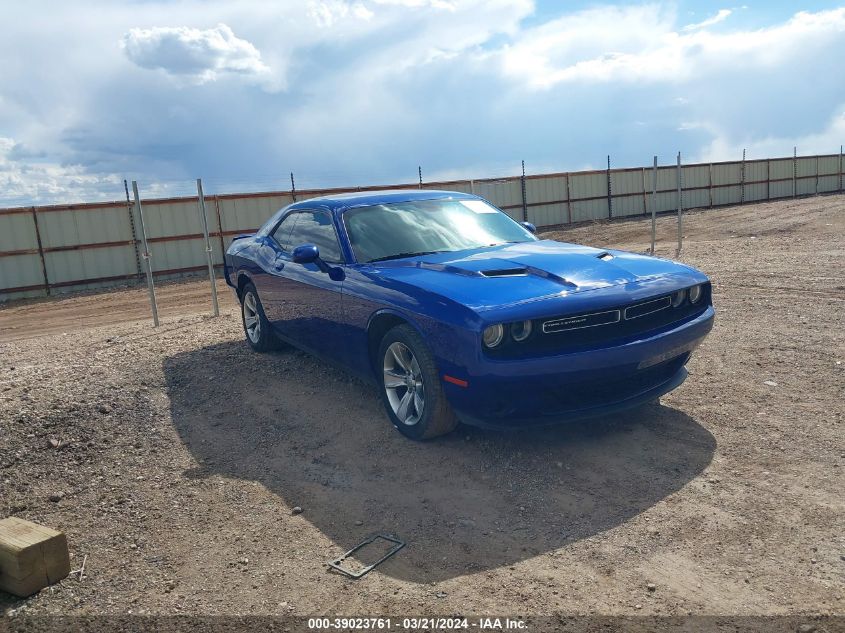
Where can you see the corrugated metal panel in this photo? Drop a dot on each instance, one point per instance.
(628, 182)
(755, 170)
(502, 193)
(756, 192)
(781, 189)
(594, 186)
(17, 232)
(547, 214)
(19, 271)
(806, 167)
(727, 174)
(727, 195)
(89, 226)
(551, 189)
(828, 184)
(94, 263)
(781, 168)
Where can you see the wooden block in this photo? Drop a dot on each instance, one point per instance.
(31, 557)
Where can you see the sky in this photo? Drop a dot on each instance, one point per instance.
(361, 92)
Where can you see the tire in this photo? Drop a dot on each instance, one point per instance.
(257, 329)
(412, 372)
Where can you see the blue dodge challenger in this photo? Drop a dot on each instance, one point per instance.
(458, 312)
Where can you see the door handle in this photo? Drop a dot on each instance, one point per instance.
(279, 264)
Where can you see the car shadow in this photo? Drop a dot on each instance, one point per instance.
(467, 502)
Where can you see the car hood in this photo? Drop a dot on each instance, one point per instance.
(512, 274)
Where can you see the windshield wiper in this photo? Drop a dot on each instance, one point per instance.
(401, 255)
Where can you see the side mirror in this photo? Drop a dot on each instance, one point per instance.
(529, 226)
(306, 254)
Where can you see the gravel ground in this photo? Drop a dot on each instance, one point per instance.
(173, 459)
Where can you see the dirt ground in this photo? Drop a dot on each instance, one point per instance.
(173, 458)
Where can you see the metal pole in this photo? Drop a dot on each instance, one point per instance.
(292, 187)
(41, 251)
(609, 194)
(742, 180)
(710, 185)
(817, 174)
(132, 227)
(472, 186)
(568, 201)
(768, 179)
(680, 209)
(840, 169)
(524, 200)
(208, 251)
(653, 203)
(146, 255)
(419, 171)
(794, 170)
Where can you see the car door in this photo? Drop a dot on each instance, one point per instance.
(306, 301)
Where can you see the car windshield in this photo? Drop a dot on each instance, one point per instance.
(421, 227)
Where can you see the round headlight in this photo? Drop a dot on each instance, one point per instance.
(695, 294)
(521, 330)
(493, 335)
(678, 297)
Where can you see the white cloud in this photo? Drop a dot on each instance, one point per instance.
(640, 43)
(327, 12)
(721, 16)
(825, 141)
(25, 182)
(200, 55)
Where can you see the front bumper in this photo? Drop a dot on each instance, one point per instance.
(538, 391)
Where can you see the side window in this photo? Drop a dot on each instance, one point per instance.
(316, 227)
(282, 232)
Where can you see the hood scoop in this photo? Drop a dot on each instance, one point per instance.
(505, 272)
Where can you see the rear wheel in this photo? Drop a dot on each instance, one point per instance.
(410, 387)
(259, 333)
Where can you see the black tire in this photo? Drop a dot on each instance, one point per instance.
(262, 340)
(437, 417)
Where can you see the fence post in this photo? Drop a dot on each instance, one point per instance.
(645, 196)
(768, 179)
(794, 170)
(568, 202)
(680, 209)
(292, 187)
(132, 228)
(208, 251)
(609, 193)
(710, 185)
(472, 186)
(147, 256)
(524, 198)
(817, 174)
(220, 229)
(742, 180)
(653, 203)
(419, 171)
(41, 251)
(840, 169)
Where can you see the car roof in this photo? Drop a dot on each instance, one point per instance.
(366, 198)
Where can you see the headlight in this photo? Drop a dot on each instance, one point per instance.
(678, 297)
(521, 330)
(493, 335)
(695, 294)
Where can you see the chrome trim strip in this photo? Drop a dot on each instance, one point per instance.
(549, 324)
(667, 301)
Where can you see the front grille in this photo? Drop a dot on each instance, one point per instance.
(604, 327)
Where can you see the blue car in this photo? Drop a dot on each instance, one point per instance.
(458, 312)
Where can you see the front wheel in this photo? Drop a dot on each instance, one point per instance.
(410, 387)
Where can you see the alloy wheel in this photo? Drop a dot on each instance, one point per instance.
(403, 383)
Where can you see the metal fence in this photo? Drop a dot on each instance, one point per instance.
(52, 249)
